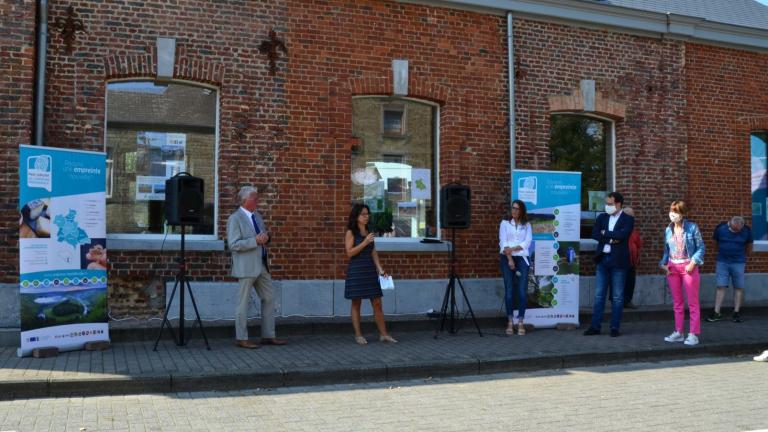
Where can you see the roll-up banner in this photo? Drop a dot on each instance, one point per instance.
(553, 201)
(62, 248)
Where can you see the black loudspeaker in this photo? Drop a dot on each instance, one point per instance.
(184, 200)
(455, 208)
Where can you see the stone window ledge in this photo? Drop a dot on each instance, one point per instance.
(169, 245)
(411, 245)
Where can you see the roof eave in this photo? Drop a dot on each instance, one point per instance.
(617, 17)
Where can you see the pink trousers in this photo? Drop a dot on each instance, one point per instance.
(680, 281)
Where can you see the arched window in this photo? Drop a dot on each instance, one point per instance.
(584, 144)
(759, 143)
(153, 132)
(394, 169)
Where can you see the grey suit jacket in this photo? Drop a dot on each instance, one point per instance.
(241, 238)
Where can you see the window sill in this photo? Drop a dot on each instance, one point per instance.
(760, 246)
(170, 245)
(587, 245)
(410, 245)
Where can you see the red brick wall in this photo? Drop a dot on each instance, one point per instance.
(217, 43)
(17, 68)
(340, 49)
(727, 99)
(645, 74)
(290, 134)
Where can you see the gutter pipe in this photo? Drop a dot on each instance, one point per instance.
(42, 47)
(511, 86)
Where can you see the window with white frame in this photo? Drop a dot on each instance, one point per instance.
(153, 132)
(393, 168)
(759, 144)
(584, 144)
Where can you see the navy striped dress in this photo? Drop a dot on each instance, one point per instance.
(362, 278)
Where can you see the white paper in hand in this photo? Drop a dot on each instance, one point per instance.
(386, 282)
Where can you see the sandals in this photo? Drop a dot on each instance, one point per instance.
(387, 339)
(521, 329)
(361, 340)
(510, 328)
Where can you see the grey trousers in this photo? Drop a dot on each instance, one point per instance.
(266, 293)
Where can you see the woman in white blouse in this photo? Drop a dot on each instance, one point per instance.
(515, 237)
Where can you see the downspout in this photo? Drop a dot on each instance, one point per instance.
(42, 47)
(511, 85)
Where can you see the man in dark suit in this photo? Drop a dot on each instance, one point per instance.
(611, 230)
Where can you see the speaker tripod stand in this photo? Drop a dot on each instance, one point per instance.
(449, 310)
(182, 284)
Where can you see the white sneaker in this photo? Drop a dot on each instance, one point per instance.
(762, 357)
(674, 337)
(692, 339)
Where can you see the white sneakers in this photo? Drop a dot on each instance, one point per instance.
(676, 336)
(692, 339)
(762, 357)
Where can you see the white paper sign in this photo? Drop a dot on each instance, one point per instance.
(386, 282)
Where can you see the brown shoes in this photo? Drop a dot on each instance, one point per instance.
(246, 344)
(273, 341)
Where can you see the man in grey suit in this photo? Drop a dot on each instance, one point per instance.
(247, 238)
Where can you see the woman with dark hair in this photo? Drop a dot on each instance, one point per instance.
(515, 236)
(683, 255)
(363, 272)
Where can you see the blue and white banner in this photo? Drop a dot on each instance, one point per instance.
(553, 201)
(62, 248)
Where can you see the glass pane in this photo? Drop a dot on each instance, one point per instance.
(393, 121)
(579, 143)
(394, 174)
(759, 141)
(154, 132)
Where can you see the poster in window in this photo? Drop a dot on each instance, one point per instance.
(150, 188)
(160, 154)
(421, 184)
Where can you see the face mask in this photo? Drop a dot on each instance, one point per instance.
(674, 217)
(610, 209)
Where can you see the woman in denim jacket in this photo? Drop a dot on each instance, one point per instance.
(683, 255)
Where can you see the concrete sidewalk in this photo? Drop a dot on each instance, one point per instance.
(333, 357)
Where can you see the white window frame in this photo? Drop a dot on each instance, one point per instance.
(757, 245)
(156, 241)
(413, 244)
(588, 244)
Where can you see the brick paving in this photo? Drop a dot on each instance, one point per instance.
(132, 367)
(710, 394)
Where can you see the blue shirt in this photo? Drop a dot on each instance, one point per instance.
(731, 246)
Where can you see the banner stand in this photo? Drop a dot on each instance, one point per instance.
(62, 248)
(553, 203)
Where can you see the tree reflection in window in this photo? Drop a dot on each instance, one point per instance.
(582, 144)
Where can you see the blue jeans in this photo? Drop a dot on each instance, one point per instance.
(607, 272)
(514, 283)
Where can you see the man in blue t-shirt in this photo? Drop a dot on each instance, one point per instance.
(733, 241)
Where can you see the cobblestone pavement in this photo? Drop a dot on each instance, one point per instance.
(714, 394)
